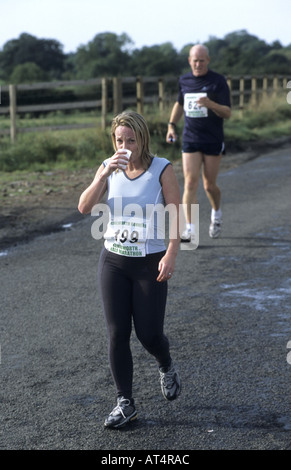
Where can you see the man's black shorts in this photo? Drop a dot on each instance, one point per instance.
(208, 149)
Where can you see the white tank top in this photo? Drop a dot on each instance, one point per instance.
(136, 208)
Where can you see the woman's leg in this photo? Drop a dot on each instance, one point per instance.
(149, 304)
(116, 292)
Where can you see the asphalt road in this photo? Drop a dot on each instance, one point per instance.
(228, 322)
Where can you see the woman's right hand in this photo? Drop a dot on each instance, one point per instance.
(93, 194)
(118, 161)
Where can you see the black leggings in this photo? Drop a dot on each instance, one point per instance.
(129, 290)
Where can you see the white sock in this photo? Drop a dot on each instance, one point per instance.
(190, 228)
(216, 215)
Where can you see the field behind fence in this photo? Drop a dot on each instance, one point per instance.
(112, 95)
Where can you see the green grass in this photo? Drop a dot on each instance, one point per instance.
(269, 120)
(75, 149)
(55, 150)
(56, 118)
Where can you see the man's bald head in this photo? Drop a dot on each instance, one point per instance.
(199, 60)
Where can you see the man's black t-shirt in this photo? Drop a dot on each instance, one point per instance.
(201, 124)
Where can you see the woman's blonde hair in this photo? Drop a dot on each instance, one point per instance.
(139, 126)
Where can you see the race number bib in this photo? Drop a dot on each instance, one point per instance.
(126, 236)
(191, 107)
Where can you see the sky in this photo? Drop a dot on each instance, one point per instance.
(147, 22)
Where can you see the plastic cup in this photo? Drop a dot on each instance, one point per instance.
(125, 156)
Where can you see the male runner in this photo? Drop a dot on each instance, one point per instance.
(204, 99)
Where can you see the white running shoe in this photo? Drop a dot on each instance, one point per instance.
(215, 228)
(187, 237)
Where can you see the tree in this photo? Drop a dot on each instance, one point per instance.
(155, 60)
(27, 73)
(47, 54)
(215, 46)
(276, 63)
(109, 54)
(238, 53)
(105, 55)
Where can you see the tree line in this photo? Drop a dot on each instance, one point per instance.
(30, 59)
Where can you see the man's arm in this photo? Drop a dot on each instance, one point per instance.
(176, 114)
(220, 110)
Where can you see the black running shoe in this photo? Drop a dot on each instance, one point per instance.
(170, 383)
(123, 413)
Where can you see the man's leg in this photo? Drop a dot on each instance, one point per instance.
(209, 174)
(191, 167)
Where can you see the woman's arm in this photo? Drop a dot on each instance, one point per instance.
(172, 196)
(94, 193)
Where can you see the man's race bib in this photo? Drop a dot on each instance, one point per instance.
(126, 236)
(191, 107)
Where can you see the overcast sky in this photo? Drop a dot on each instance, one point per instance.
(148, 22)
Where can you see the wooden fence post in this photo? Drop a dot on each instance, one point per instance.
(254, 91)
(117, 95)
(241, 92)
(275, 87)
(161, 94)
(139, 94)
(265, 88)
(12, 110)
(104, 102)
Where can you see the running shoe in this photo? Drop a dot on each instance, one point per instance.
(215, 229)
(170, 382)
(187, 237)
(123, 413)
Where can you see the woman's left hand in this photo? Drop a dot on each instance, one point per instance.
(166, 268)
